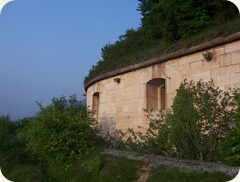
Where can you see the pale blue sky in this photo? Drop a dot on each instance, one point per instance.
(48, 46)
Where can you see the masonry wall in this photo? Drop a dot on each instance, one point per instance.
(121, 104)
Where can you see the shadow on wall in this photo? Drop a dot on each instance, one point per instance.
(108, 128)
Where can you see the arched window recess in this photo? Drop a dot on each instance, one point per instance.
(156, 94)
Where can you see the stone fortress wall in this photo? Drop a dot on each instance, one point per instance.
(119, 97)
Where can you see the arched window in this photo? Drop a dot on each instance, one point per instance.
(156, 94)
(95, 104)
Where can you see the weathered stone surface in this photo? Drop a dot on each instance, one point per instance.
(232, 47)
(225, 60)
(124, 101)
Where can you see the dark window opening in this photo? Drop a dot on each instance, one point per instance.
(95, 107)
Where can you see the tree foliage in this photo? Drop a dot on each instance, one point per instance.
(174, 19)
(12, 149)
(61, 133)
(7, 129)
(165, 22)
(122, 53)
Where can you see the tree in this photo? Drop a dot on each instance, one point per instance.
(62, 133)
(146, 6)
(174, 19)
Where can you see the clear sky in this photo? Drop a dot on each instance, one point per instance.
(47, 47)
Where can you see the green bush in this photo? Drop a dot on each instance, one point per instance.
(94, 163)
(62, 133)
(154, 140)
(199, 119)
(11, 148)
(202, 124)
(229, 149)
(7, 129)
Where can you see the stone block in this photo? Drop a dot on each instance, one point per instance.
(109, 98)
(133, 106)
(110, 86)
(228, 87)
(196, 57)
(157, 71)
(173, 62)
(223, 80)
(187, 77)
(219, 50)
(110, 108)
(183, 60)
(233, 69)
(225, 60)
(126, 108)
(201, 75)
(196, 66)
(112, 98)
(170, 98)
(234, 78)
(235, 57)
(184, 69)
(218, 72)
(143, 76)
(231, 47)
(141, 104)
(173, 84)
(236, 85)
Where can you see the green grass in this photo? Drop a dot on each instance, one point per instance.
(140, 48)
(112, 169)
(170, 174)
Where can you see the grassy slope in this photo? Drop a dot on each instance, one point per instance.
(170, 174)
(138, 48)
(112, 169)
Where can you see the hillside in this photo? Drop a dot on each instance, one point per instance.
(148, 41)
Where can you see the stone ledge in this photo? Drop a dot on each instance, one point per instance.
(183, 164)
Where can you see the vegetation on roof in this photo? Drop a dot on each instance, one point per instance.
(166, 26)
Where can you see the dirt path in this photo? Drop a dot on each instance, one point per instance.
(190, 165)
(143, 173)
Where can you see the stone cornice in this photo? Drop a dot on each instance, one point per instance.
(163, 58)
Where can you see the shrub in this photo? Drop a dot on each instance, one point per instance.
(11, 148)
(199, 119)
(7, 129)
(229, 149)
(154, 140)
(94, 164)
(62, 133)
(202, 124)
